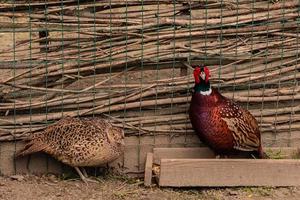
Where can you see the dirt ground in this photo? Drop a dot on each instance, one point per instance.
(113, 187)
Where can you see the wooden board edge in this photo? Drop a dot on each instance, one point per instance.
(205, 152)
(181, 152)
(148, 169)
(286, 164)
(164, 160)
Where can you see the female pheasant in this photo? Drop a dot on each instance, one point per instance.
(219, 122)
(79, 142)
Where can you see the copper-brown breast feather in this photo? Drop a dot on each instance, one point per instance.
(242, 125)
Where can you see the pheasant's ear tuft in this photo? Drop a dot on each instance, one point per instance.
(196, 74)
(207, 74)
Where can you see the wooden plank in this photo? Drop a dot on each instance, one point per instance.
(148, 169)
(131, 156)
(194, 152)
(54, 166)
(146, 146)
(7, 162)
(21, 162)
(229, 172)
(205, 152)
(22, 165)
(38, 163)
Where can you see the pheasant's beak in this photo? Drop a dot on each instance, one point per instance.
(202, 75)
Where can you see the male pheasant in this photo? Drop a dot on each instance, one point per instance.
(78, 142)
(219, 122)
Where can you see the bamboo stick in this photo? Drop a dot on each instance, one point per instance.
(252, 56)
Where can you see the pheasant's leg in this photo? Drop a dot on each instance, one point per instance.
(83, 178)
(80, 174)
(84, 172)
(220, 156)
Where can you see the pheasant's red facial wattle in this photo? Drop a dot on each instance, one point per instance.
(207, 74)
(202, 72)
(197, 72)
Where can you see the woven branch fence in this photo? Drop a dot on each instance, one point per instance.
(130, 61)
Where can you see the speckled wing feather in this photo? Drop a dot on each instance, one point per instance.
(79, 142)
(68, 139)
(243, 126)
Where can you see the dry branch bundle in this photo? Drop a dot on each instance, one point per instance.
(122, 58)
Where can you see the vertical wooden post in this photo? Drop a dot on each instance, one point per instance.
(148, 169)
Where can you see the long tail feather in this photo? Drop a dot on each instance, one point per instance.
(32, 147)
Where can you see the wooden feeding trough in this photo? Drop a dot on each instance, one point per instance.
(188, 167)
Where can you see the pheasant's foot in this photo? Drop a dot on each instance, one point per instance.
(221, 156)
(84, 178)
(253, 156)
(84, 172)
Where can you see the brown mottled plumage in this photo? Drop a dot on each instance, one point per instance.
(221, 123)
(79, 142)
